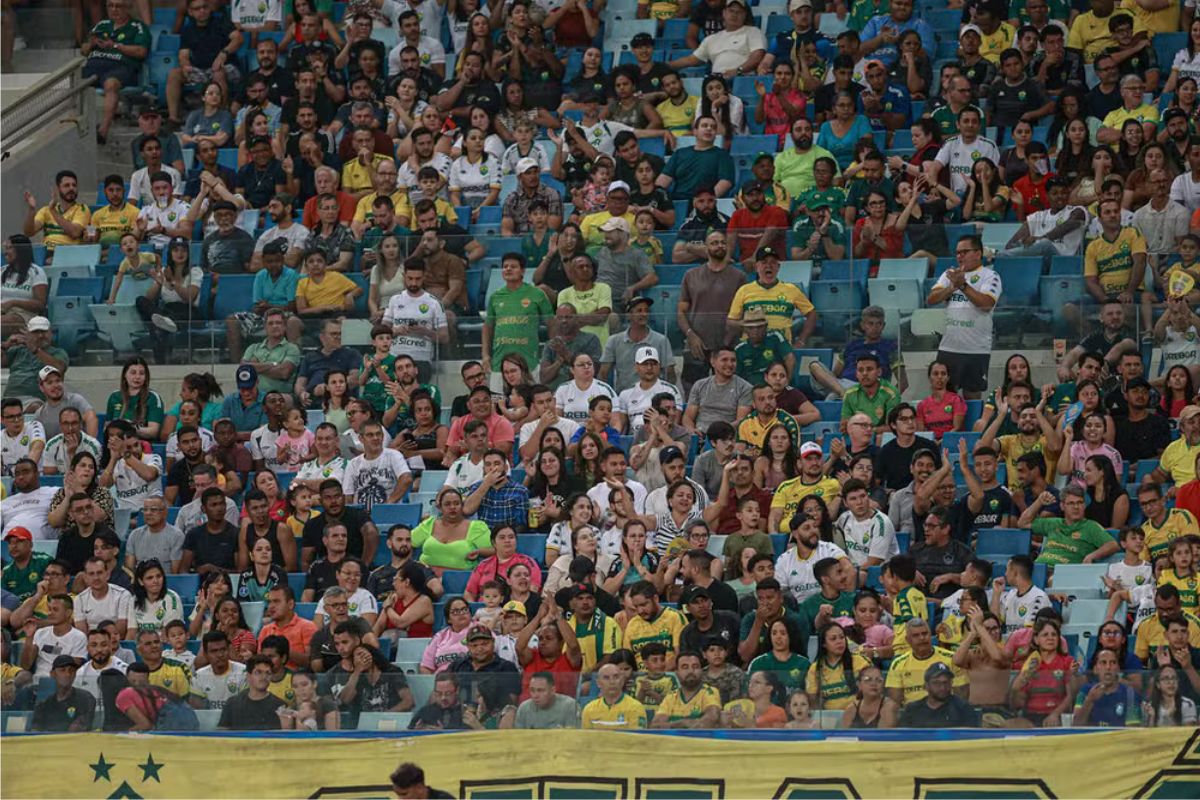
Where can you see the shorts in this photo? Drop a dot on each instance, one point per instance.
(253, 323)
(104, 69)
(194, 76)
(968, 371)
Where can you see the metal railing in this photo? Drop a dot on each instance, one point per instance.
(59, 94)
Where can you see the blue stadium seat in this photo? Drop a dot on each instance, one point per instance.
(81, 287)
(901, 294)
(454, 581)
(1066, 265)
(71, 319)
(994, 543)
(306, 610)
(903, 268)
(185, 585)
(76, 255)
(1020, 277)
(532, 545)
(387, 514)
(1059, 290)
(796, 272)
(1167, 44)
(830, 409)
(804, 357)
(839, 303)
(233, 295)
(856, 271)
(950, 440)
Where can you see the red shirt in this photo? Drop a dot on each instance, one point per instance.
(749, 228)
(1187, 497)
(346, 208)
(1049, 684)
(566, 676)
(937, 416)
(1033, 196)
(417, 630)
(893, 241)
(728, 523)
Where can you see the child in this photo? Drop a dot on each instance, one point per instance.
(726, 678)
(138, 266)
(646, 241)
(1128, 573)
(951, 631)
(593, 195)
(302, 500)
(1181, 574)
(429, 181)
(525, 147)
(491, 594)
(1141, 598)
(512, 620)
(655, 682)
(176, 634)
(749, 534)
(1017, 607)
(877, 637)
(378, 369)
(899, 576)
(539, 241)
(978, 572)
(295, 441)
(799, 711)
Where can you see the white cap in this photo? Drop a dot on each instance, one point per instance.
(38, 324)
(526, 164)
(808, 448)
(795, 4)
(618, 186)
(616, 224)
(47, 371)
(975, 29)
(645, 354)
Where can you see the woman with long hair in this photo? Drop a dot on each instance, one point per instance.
(1087, 188)
(1108, 504)
(912, 71)
(816, 509)
(550, 483)
(626, 106)
(475, 175)
(1071, 106)
(387, 276)
(779, 460)
(831, 683)
(987, 196)
(336, 399)
(588, 457)
(517, 108)
(427, 438)
(591, 78)
(1016, 368)
(480, 119)
(460, 14)
(871, 707)
(212, 122)
(228, 618)
(1133, 138)
(790, 667)
(1186, 63)
(1165, 706)
(646, 195)
(1044, 689)
(924, 208)
(635, 563)
(876, 235)
(1074, 160)
(449, 540)
(1137, 188)
(576, 512)
(585, 541)
(261, 575)
(1177, 391)
(135, 401)
(25, 285)
(780, 106)
(404, 107)
(726, 108)
(927, 140)
(189, 416)
(1013, 165)
(202, 388)
(1088, 401)
(408, 610)
(517, 382)
(214, 587)
(154, 605)
(758, 708)
(1111, 635)
(314, 711)
(255, 125)
(1090, 442)
(843, 130)
(1186, 101)
(553, 272)
(82, 476)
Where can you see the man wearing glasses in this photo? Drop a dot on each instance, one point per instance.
(970, 292)
(957, 97)
(19, 439)
(1104, 97)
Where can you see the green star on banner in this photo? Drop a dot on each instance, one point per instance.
(150, 769)
(102, 768)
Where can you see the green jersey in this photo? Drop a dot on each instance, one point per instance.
(132, 34)
(1064, 543)
(947, 120)
(843, 606)
(857, 401)
(754, 360)
(23, 582)
(514, 316)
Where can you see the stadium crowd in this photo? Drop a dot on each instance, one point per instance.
(625, 515)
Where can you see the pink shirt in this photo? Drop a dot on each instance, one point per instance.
(778, 121)
(938, 416)
(1081, 451)
(878, 636)
(444, 648)
(487, 570)
(500, 430)
(298, 449)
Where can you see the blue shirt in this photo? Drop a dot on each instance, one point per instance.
(888, 53)
(1113, 710)
(842, 147)
(507, 505)
(884, 350)
(895, 101)
(244, 418)
(275, 291)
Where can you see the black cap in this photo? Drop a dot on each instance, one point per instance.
(151, 110)
(753, 186)
(1138, 383)
(632, 303)
(589, 95)
(1173, 113)
(768, 252)
(64, 661)
(692, 592)
(641, 39)
(565, 595)
(936, 670)
(223, 205)
(669, 454)
(275, 247)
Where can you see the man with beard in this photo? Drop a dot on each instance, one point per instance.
(362, 535)
(281, 229)
(757, 225)
(1034, 435)
(691, 244)
(694, 704)
(206, 163)
(721, 396)
(939, 708)
(427, 80)
(281, 84)
(179, 489)
(378, 475)
(1140, 433)
(794, 166)
(471, 88)
(57, 398)
(708, 625)
(399, 544)
(63, 220)
(62, 447)
(228, 250)
(323, 651)
(704, 300)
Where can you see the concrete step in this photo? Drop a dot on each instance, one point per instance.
(39, 59)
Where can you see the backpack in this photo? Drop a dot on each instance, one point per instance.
(174, 714)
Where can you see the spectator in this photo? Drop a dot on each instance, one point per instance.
(63, 220)
(959, 154)
(204, 55)
(1107, 701)
(701, 165)
(704, 220)
(737, 49)
(939, 707)
(68, 709)
(968, 352)
(116, 48)
(149, 122)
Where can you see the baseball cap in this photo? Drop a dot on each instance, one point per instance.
(706, 189)
(936, 670)
(478, 632)
(645, 354)
(223, 205)
(754, 316)
(970, 29)
(692, 592)
(19, 533)
(247, 376)
(1137, 383)
(761, 156)
(669, 454)
(753, 186)
(767, 252)
(1188, 412)
(642, 39)
(526, 164)
(47, 371)
(1173, 114)
(151, 110)
(741, 3)
(797, 4)
(64, 661)
(37, 324)
(618, 186)
(809, 448)
(616, 224)
(633, 301)
(819, 202)
(515, 607)
(276, 247)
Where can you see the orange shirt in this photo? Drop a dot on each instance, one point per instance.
(298, 632)
(346, 206)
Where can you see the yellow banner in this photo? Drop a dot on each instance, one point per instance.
(1162, 763)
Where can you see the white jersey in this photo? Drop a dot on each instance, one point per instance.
(87, 677)
(30, 510)
(334, 468)
(1180, 348)
(1042, 222)
(599, 495)
(429, 12)
(140, 193)
(217, 689)
(1141, 599)
(953, 603)
(795, 575)
(656, 501)
(873, 537)
(1186, 191)
(424, 310)
(602, 134)
(1130, 577)
(508, 162)
(1095, 229)
(50, 646)
(572, 402)
(1017, 610)
(371, 481)
(361, 602)
(168, 216)
(114, 605)
(407, 176)
(475, 180)
(634, 401)
(464, 473)
(262, 447)
(296, 236)
(968, 327)
(256, 13)
(566, 427)
(429, 49)
(959, 157)
(131, 488)
(156, 613)
(56, 454)
(16, 447)
(207, 442)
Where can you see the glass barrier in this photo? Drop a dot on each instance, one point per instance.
(492, 693)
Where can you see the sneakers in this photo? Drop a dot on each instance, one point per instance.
(164, 323)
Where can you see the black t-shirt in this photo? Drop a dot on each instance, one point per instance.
(324, 107)
(828, 92)
(723, 597)
(483, 94)
(997, 502)
(57, 715)
(934, 561)
(76, 549)
(652, 81)
(434, 716)
(281, 84)
(1099, 104)
(1144, 439)
(218, 549)
(726, 629)
(428, 83)
(954, 713)
(893, 463)
(379, 583)
(625, 172)
(181, 476)
(321, 645)
(498, 682)
(243, 714)
(352, 518)
(258, 186)
(321, 575)
(227, 255)
(708, 19)
(203, 43)
(383, 695)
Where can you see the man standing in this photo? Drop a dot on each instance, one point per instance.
(513, 314)
(972, 291)
(618, 364)
(27, 355)
(623, 268)
(705, 299)
(417, 320)
(378, 475)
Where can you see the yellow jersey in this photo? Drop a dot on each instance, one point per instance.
(331, 291)
(1013, 447)
(1112, 262)
(1152, 634)
(830, 682)
(1090, 35)
(625, 714)
(792, 492)
(1144, 113)
(1178, 522)
(52, 233)
(365, 212)
(112, 223)
(1188, 599)
(909, 604)
(777, 302)
(664, 629)
(598, 640)
(678, 118)
(907, 673)
(1165, 20)
(1179, 459)
(356, 177)
(991, 46)
(589, 226)
(662, 686)
(173, 677)
(675, 707)
(282, 689)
